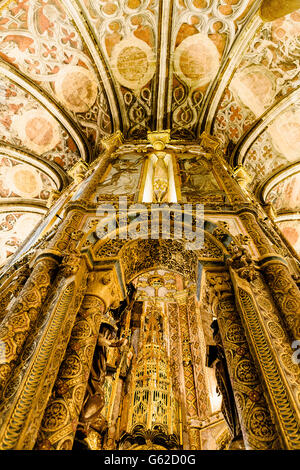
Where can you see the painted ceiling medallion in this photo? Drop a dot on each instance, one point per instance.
(25, 181)
(76, 88)
(26, 223)
(133, 63)
(255, 87)
(285, 133)
(37, 130)
(196, 60)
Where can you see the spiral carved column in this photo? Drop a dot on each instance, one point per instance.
(188, 373)
(26, 394)
(278, 277)
(16, 325)
(257, 427)
(62, 414)
(272, 352)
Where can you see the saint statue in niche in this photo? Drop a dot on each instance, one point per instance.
(95, 397)
(160, 179)
(217, 360)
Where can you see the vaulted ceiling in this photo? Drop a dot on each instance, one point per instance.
(74, 71)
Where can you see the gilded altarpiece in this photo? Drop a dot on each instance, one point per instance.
(96, 353)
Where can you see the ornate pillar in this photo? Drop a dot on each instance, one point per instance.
(35, 333)
(197, 354)
(13, 285)
(193, 423)
(257, 426)
(271, 349)
(285, 293)
(110, 144)
(25, 311)
(61, 417)
(26, 394)
(223, 171)
(176, 369)
(19, 321)
(278, 277)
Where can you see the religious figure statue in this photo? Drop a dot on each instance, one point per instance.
(94, 398)
(216, 358)
(160, 179)
(241, 262)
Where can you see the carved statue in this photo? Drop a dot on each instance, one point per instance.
(95, 399)
(216, 358)
(160, 179)
(241, 262)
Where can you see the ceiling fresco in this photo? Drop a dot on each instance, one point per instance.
(267, 72)
(26, 124)
(15, 226)
(75, 71)
(40, 40)
(285, 196)
(22, 180)
(291, 231)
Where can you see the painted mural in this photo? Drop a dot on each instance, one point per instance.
(197, 180)
(268, 71)
(14, 228)
(123, 178)
(291, 231)
(25, 123)
(285, 196)
(40, 39)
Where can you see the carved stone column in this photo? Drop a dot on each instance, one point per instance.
(16, 325)
(29, 387)
(110, 144)
(278, 277)
(35, 333)
(12, 285)
(197, 354)
(272, 352)
(176, 370)
(25, 311)
(256, 423)
(61, 416)
(193, 423)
